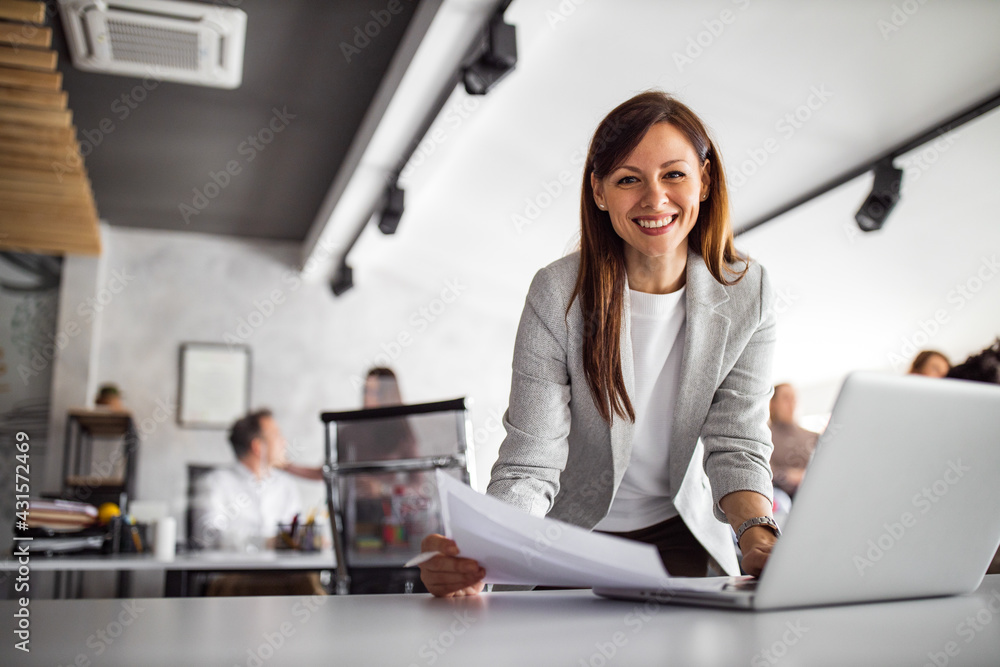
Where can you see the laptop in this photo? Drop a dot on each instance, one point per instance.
(900, 501)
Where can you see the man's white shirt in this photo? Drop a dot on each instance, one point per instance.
(233, 508)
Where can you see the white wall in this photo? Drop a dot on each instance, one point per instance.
(309, 351)
(82, 289)
(930, 279)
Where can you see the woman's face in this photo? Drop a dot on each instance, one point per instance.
(654, 196)
(380, 391)
(934, 366)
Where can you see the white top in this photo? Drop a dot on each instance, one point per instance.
(644, 496)
(235, 510)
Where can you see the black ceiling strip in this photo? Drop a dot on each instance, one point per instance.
(920, 139)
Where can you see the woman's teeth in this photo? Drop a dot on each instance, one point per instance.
(653, 224)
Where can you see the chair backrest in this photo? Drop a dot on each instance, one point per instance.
(195, 471)
(380, 472)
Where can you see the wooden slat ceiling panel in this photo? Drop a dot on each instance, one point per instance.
(46, 202)
(22, 11)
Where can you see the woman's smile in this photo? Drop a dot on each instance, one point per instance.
(656, 225)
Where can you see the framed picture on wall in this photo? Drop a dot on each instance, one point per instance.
(214, 386)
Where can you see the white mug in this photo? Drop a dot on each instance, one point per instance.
(165, 544)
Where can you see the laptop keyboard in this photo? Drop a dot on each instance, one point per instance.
(742, 585)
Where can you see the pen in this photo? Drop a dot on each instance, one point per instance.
(422, 558)
(135, 535)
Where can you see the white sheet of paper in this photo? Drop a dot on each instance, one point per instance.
(517, 548)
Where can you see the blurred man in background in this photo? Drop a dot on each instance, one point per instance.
(239, 506)
(793, 445)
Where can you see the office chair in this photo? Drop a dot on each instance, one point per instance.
(381, 490)
(195, 471)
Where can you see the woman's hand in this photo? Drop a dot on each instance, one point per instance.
(448, 576)
(757, 541)
(756, 545)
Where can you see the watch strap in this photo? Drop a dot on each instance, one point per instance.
(765, 521)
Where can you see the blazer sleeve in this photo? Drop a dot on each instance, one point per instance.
(537, 421)
(736, 437)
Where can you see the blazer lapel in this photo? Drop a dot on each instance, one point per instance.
(622, 427)
(706, 332)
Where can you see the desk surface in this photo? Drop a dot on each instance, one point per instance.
(572, 628)
(197, 560)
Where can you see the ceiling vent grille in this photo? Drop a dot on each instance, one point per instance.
(166, 40)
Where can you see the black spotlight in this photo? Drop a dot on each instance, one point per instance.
(497, 60)
(393, 210)
(343, 280)
(883, 197)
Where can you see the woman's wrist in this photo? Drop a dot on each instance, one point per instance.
(757, 536)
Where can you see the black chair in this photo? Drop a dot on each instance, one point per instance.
(195, 471)
(381, 489)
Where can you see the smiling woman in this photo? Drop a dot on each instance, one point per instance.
(642, 364)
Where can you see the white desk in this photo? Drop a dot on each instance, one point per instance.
(184, 564)
(198, 560)
(539, 628)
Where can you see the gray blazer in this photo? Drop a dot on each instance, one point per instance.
(562, 460)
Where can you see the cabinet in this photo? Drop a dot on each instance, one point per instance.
(99, 457)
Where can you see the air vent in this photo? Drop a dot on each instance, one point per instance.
(186, 42)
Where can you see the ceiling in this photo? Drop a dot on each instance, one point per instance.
(168, 138)
(851, 300)
(874, 74)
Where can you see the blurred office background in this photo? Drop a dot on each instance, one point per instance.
(796, 94)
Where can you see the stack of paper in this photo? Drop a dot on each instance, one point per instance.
(62, 515)
(517, 548)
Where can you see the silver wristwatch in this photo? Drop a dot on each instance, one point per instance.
(765, 521)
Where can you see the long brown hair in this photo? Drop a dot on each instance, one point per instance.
(600, 282)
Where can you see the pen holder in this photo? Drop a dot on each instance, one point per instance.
(304, 538)
(124, 537)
